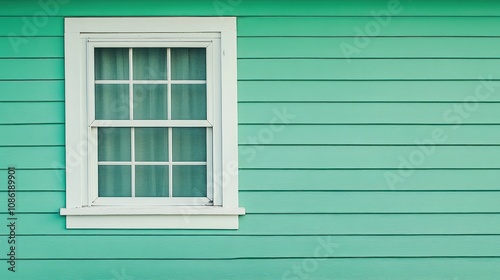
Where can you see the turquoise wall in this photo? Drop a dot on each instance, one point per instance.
(360, 158)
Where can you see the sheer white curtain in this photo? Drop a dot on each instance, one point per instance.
(150, 102)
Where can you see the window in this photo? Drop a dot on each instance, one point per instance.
(151, 123)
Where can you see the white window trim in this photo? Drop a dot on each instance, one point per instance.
(82, 214)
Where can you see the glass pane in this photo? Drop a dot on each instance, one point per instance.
(151, 181)
(189, 144)
(114, 181)
(189, 181)
(112, 102)
(114, 144)
(111, 64)
(189, 102)
(151, 144)
(150, 102)
(150, 63)
(188, 64)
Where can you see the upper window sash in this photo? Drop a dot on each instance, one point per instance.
(210, 44)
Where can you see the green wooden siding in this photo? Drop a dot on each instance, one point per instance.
(318, 136)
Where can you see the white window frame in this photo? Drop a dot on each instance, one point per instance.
(83, 208)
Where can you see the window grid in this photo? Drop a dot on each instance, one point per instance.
(131, 116)
(169, 116)
(170, 163)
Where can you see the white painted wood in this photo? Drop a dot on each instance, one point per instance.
(150, 36)
(119, 42)
(229, 117)
(148, 221)
(150, 24)
(76, 132)
(151, 82)
(152, 210)
(151, 201)
(218, 36)
(151, 123)
(151, 163)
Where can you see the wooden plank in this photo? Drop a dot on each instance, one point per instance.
(301, 47)
(346, 157)
(348, 47)
(33, 157)
(217, 247)
(292, 224)
(371, 180)
(308, 157)
(30, 26)
(31, 90)
(31, 47)
(276, 114)
(368, 26)
(31, 112)
(370, 202)
(324, 202)
(31, 69)
(255, 7)
(314, 180)
(365, 134)
(367, 69)
(26, 135)
(367, 91)
(39, 180)
(37, 201)
(244, 269)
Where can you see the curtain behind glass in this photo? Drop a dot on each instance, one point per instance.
(150, 103)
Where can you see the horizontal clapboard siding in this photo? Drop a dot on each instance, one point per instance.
(52, 179)
(312, 47)
(275, 268)
(369, 179)
(353, 157)
(27, 135)
(29, 112)
(282, 202)
(374, 113)
(367, 69)
(39, 179)
(24, 47)
(31, 69)
(307, 157)
(354, 47)
(486, 90)
(294, 224)
(44, 90)
(14, 27)
(222, 247)
(322, 132)
(396, 134)
(356, 26)
(253, 8)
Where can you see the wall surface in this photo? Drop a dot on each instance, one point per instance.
(369, 145)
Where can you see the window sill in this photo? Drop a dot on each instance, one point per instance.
(179, 217)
